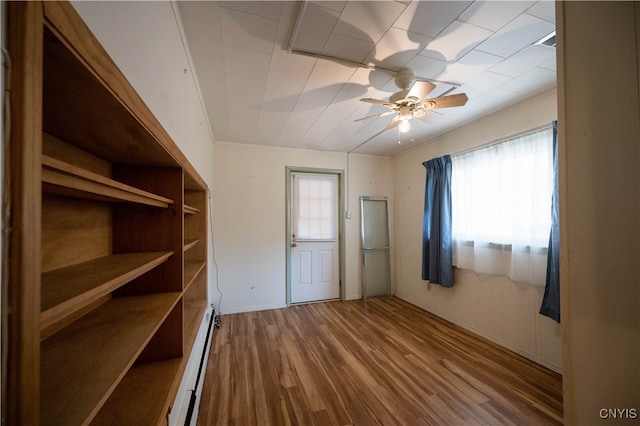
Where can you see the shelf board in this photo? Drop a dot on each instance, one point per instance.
(191, 271)
(193, 313)
(82, 364)
(190, 209)
(145, 391)
(66, 179)
(190, 243)
(67, 290)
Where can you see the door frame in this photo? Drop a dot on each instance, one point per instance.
(341, 223)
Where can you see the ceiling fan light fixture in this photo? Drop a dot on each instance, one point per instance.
(404, 126)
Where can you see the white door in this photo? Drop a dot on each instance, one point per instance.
(315, 253)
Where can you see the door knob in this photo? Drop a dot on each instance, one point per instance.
(293, 244)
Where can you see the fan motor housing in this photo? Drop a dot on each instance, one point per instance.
(405, 78)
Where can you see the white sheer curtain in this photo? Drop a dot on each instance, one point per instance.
(501, 198)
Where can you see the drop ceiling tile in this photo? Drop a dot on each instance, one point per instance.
(426, 67)
(493, 15)
(316, 99)
(269, 128)
(343, 109)
(244, 62)
(522, 61)
(266, 9)
(397, 47)
(550, 65)
(297, 126)
(292, 62)
(532, 81)
(204, 12)
(368, 21)
(483, 83)
(248, 32)
(338, 6)
(469, 66)
(321, 129)
(315, 26)
(243, 124)
(455, 41)
(350, 91)
(343, 47)
(375, 80)
(430, 17)
(544, 10)
(282, 91)
(329, 76)
(244, 91)
(204, 40)
(519, 33)
(251, 98)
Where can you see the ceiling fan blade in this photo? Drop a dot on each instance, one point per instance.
(393, 123)
(446, 101)
(374, 116)
(421, 89)
(374, 101)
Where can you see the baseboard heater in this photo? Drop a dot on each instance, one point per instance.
(214, 322)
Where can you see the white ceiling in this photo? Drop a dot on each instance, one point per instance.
(257, 91)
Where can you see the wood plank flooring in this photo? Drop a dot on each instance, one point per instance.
(386, 362)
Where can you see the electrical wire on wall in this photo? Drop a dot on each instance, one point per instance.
(347, 209)
(213, 255)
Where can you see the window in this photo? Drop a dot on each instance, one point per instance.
(501, 207)
(315, 209)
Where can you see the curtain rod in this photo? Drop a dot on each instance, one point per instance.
(504, 139)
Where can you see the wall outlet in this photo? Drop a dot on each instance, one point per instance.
(348, 214)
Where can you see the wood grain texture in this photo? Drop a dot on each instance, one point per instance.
(83, 363)
(68, 290)
(24, 37)
(384, 362)
(67, 179)
(73, 231)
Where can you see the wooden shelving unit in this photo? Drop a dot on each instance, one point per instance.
(108, 260)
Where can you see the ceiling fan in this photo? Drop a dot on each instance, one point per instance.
(411, 102)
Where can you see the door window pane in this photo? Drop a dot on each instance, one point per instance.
(315, 207)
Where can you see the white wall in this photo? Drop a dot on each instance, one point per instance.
(495, 307)
(599, 159)
(249, 218)
(144, 39)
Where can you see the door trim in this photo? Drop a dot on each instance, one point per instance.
(341, 223)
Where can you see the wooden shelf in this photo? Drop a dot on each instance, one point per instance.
(193, 313)
(82, 364)
(190, 243)
(191, 271)
(191, 210)
(102, 324)
(63, 178)
(144, 391)
(67, 290)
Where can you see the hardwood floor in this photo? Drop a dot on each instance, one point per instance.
(389, 362)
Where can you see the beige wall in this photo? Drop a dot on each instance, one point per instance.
(249, 218)
(599, 129)
(495, 307)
